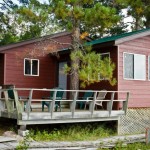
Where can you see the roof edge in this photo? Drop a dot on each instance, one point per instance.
(55, 35)
(131, 37)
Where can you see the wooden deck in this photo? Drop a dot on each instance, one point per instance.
(14, 108)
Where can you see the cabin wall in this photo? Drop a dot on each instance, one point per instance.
(104, 84)
(139, 89)
(14, 71)
(1, 69)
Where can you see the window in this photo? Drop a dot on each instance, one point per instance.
(134, 66)
(31, 67)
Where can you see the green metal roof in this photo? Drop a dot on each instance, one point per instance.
(114, 38)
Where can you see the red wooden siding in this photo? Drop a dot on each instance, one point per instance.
(14, 71)
(139, 90)
(1, 69)
(103, 84)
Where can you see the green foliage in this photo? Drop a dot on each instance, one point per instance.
(73, 133)
(24, 144)
(139, 10)
(92, 68)
(25, 21)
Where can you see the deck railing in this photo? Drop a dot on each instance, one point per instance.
(16, 106)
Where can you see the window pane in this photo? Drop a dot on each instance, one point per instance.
(34, 67)
(128, 66)
(103, 56)
(139, 66)
(27, 67)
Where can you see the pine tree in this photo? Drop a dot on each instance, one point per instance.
(74, 15)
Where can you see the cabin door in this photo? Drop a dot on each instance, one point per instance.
(62, 81)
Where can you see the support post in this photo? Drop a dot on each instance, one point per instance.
(28, 109)
(9, 103)
(92, 104)
(0, 92)
(110, 103)
(18, 104)
(52, 107)
(118, 126)
(2, 102)
(125, 103)
(73, 103)
(22, 131)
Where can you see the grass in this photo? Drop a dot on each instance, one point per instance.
(63, 132)
(135, 146)
(73, 132)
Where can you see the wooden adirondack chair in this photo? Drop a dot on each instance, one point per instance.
(87, 95)
(59, 96)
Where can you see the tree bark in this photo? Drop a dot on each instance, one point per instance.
(74, 78)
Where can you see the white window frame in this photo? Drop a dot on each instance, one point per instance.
(108, 53)
(133, 70)
(31, 67)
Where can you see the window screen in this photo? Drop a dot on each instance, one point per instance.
(27, 66)
(34, 67)
(31, 67)
(129, 66)
(134, 66)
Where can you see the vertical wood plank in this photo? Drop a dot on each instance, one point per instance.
(0, 92)
(9, 104)
(18, 104)
(73, 103)
(29, 103)
(125, 103)
(110, 103)
(92, 104)
(2, 103)
(52, 106)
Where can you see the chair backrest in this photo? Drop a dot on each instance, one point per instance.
(11, 93)
(88, 94)
(101, 94)
(59, 94)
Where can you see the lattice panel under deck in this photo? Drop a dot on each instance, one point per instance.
(135, 121)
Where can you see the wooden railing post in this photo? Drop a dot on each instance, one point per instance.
(73, 103)
(28, 107)
(18, 105)
(92, 104)
(125, 103)
(52, 104)
(0, 92)
(110, 103)
(2, 103)
(9, 103)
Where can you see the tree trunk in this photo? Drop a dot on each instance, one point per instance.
(137, 23)
(74, 78)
